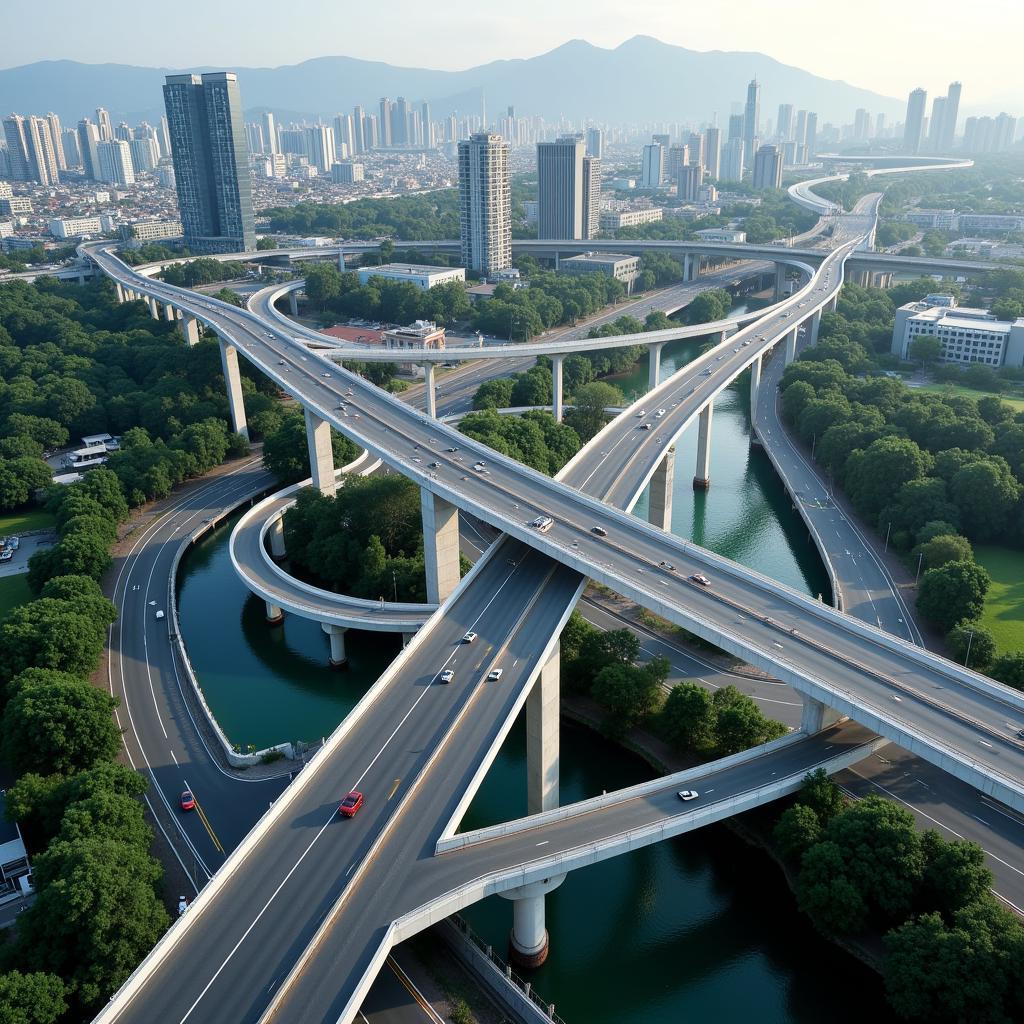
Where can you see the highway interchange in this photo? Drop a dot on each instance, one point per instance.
(531, 573)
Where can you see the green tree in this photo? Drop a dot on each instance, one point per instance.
(925, 349)
(630, 693)
(797, 830)
(286, 453)
(827, 893)
(494, 394)
(688, 718)
(951, 593)
(49, 634)
(1009, 669)
(588, 415)
(875, 473)
(35, 998)
(740, 723)
(955, 874)
(986, 493)
(971, 644)
(943, 549)
(822, 795)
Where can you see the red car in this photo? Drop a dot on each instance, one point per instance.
(351, 804)
(188, 801)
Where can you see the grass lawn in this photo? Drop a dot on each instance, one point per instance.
(13, 591)
(29, 519)
(1015, 401)
(1004, 605)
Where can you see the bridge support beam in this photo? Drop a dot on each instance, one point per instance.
(233, 382)
(815, 325)
(274, 614)
(702, 477)
(120, 291)
(556, 387)
(659, 501)
(755, 384)
(430, 395)
(528, 943)
(440, 545)
(717, 337)
(276, 532)
(654, 364)
(790, 342)
(542, 738)
(190, 328)
(293, 303)
(321, 453)
(154, 308)
(169, 315)
(336, 634)
(817, 716)
(691, 266)
(780, 281)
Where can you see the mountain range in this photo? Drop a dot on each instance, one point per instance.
(641, 80)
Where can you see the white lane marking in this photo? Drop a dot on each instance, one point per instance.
(175, 756)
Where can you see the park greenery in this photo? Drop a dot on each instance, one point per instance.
(286, 453)
(936, 474)
(861, 869)
(408, 218)
(203, 270)
(534, 438)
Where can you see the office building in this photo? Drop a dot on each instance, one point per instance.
(615, 264)
(270, 134)
(768, 167)
(595, 143)
(732, 160)
(913, 124)
(675, 158)
(731, 235)
(661, 140)
(211, 162)
(423, 277)
(880, 126)
(967, 335)
(695, 149)
(784, 125)
(347, 173)
(139, 232)
(612, 220)
(735, 126)
(74, 227)
(713, 152)
(689, 179)
(811, 137)
(485, 203)
(800, 132)
(936, 122)
(653, 168)
(591, 196)
(88, 140)
(560, 188)
(103, 125)
(751, 119)
(115, 162)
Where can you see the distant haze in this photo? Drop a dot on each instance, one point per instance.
(641, 80)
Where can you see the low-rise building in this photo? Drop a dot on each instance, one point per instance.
(722, 235)
(140, 232)
(15, 204)
(425, 277)
(423, 334)
(943, 220)
(74, 227)
(612, 220)
(967, 335)
(347, 173)
(615, 264)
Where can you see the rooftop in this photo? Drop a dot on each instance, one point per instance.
(408, 268)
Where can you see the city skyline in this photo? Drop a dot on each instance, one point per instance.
(232, 37)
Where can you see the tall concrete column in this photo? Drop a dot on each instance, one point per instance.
(274, 614)
(341, 260)
(688, 274)
(790, 341)
(233, 382)
(428, 388)
(542, 739)
(702, 477)
(755, 384)
(528, 943)
(154, 308)
(440, 545)
(717, 337)
(120, 291)
(780, 281)
(832, 303)
(654, 364)
(169, 313)
(815, 326)
(276, 532)
(190, 329)
(817, 716)
(556, 387)
(293, 303)
(321, 453)
(659, 503)
(336, 634)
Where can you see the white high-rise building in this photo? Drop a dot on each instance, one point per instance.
(591, 196)
(560, 188)
(485, 203)
(42, 154)
(913, 125)
(713, 152)
(652, 172)
(56, 138)
(732, 161)
(103, 124)
(115, 159)
(595, 143)
(270, 133)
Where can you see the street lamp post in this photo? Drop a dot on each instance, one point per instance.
(394, 580)
(967, 656)
(887, 531)
(920, 559)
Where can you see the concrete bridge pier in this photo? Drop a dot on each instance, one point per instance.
(780, 281)
(169, 314)
(814, 327)
(654, 364)
(154, 308)
(120, 291)
(528, 943)
(542, 738)
(293, 303)
(817, 716)
(755, 384)
(274, 614)
(717, 337)
(233, 381)
(321, 453)
(790, 346)
(440, 545)
(702, 477)
(691, 266)
(428, 387)
(659, 502)
(190, 328)
(337, 637)
(556, 387)
(276, 531)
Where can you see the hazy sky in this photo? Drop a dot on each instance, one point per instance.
(887, 45)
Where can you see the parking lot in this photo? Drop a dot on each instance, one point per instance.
(29, 546)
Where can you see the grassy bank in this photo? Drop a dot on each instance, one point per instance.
(29, 519)
(1004, 605)
(13, 591)
(1015, 401)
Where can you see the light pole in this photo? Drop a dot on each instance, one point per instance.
(394, 580)
(887, 531)
(967, 656)
(814, 441)
(920, 559)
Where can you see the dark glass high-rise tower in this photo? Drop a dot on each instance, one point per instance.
(211, 162)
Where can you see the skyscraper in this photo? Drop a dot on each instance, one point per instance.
(254, 136)
(913, 124)
(42, 156)
(485, 203)
(359, 144)
(784, 128)
(211, 163)
(384, 121)
(560, 188)
(591, 196)
(652, 172)
(88, 139)
(861, 125)
(751, 118)
(936, 122)
(949, 118)
(689, 179)
(56, 133)
(732, 160)
(713, 152)
(69, 145)
(270, 133)
(17, 147)
(103, 124)
(768, 167)
(695, 148)
(812, 132)
(595, 143)
(400, 123)
(676, 158)
(115, 162)
(427, 124)
(735, 126)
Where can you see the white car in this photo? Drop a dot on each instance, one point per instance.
(542, 523)
(494, 675)
(159, 613)
(469, 637)
(688, 794)
(446, 676)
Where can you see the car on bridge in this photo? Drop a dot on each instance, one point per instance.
(447, 675)
(699, 578)
(542, 523)
(348, 807)
(686, 795)
(469, 637)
